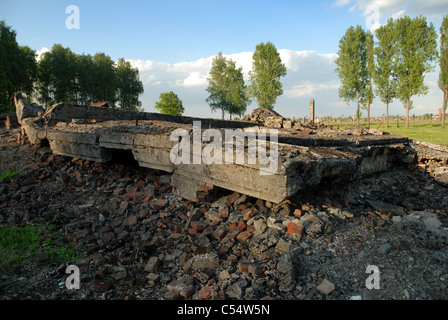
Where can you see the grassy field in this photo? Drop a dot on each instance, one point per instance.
(420, 130)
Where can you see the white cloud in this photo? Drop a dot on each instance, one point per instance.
(398, 14)
(40, 52)
(195, 79)
(309, 90)
(387, 8)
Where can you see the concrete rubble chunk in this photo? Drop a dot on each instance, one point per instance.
(204, 261)
(152, 264)
(183, 288)
(326, 287)
(25, 109)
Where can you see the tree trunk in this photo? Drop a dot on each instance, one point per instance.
(368, 114)
(357, 108)
(445, 98)
(407, 114)
(387, 115)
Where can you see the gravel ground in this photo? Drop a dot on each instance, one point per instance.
(380, 238)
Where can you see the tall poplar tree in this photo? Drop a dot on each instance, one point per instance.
(384, 77)
(267, 69)
(416, 51)
(443, 75)
(352, 66)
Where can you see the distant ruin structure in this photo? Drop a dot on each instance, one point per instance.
(312, 111)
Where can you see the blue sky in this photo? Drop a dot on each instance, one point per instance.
(173, 42)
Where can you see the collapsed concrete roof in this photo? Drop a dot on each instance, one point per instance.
(305, 157)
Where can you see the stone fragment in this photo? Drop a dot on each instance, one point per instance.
(152, 264)
(260, 226)
(236, 291)
(315, 229)
(385, 248)
(214, 216)
(198, 225)
(256, 269)
(379, 205)
(219, 233)
(120, 274)
(326, 287)
(224, 275)
(183, 288)
(132, 220)
(158, 204)
(204, 261)
(282, 246)
(25, 109)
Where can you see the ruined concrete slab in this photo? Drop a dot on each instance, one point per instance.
(303, 160)
(24, 109)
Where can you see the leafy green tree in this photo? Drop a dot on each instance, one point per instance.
(443, 75)
(29, 72)
(85, 73)
(267, 69)
(57, 75)
(237, 90)
(66, 76)
(384, 77)
(45, 84)
(129, 86)
(416, 50)
(217, 85)
(17, 68)
(352, 66)
(105, 79)
(169, 103)
(226, 87)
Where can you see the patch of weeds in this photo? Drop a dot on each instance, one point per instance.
(14, 244)
(19, 245)
(8, 174)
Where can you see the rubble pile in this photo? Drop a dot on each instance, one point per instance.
(136, 239)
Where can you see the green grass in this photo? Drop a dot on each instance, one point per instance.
(418, 130)
(19, 245)
(8, 174)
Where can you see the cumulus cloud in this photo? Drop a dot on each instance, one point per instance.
(309, 90)
(389, 8)
(40, 52)
(194, 79)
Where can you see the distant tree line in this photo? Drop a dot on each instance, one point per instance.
(394, 66)
(64, 76)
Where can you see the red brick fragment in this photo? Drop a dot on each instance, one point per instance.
(295, 229)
